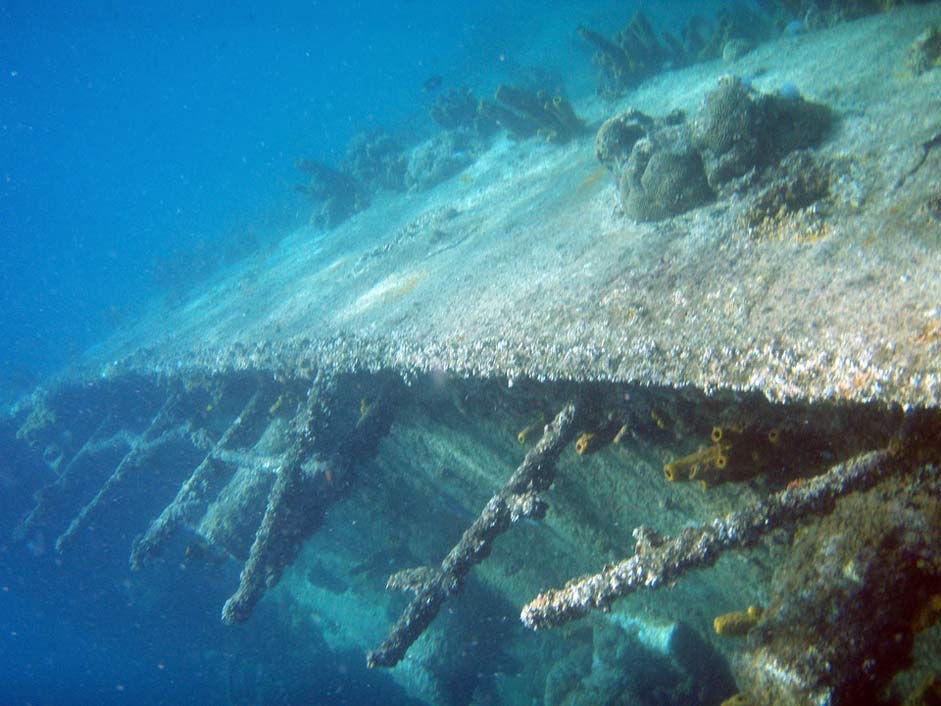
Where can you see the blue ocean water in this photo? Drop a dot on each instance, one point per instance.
(132, 137)
(132, 134)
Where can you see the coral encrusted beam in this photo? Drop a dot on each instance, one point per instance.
(519, 498)
(660, 561)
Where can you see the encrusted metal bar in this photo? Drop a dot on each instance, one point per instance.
(296, 506)
(191, 499)
(660, 561)
(517, 499)
(59, 487)
(153, 436)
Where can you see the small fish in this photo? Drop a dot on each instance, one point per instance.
(432, 83)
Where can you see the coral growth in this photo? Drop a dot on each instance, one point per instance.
(637, 52)
(664, 167)
(524, 113)
(840, 623)
(789, 207)
(688, 467)
(616, 137)
(663, 177)
(458, 108)
(738, 129)
(660, 561)
(337, 195)
(376, 161)
(729, 35)
(634, 54)
(658, 172)
(441, 157)
(40, 417)
(736, 454)
(738, 700)
(925, 52)
(815, 14)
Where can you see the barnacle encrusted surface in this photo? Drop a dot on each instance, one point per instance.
(538, 275)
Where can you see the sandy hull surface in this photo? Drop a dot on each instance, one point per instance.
(524, 266)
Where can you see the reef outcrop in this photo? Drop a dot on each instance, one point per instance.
(524, 113)
(336, 195)
(441, 157)
(376, 161)
(845, 604)
(664, 167)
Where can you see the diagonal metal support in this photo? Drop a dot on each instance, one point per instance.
(192, 498)
(296, 506)
(154, 436)
(61, 486)
(320, 468)
(519, 498)
(660, 561)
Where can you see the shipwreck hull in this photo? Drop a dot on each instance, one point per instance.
(383, 382)
(188, 474)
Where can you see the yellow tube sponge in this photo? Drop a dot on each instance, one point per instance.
(588, 443)
(737, 624)
(526, 432)
(686, 468)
